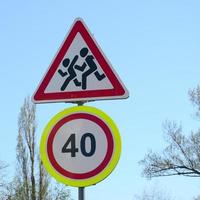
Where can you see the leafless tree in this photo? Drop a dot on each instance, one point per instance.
(44, 180)
(26, 148)
(31, 181)
(182, 155)
(3, 183)
(197, 198)
(152, 194)
(195, 99)
(3, 166)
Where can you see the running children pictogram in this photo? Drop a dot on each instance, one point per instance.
(72, 69)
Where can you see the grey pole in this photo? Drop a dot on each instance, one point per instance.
(81, 193)
(80, 103)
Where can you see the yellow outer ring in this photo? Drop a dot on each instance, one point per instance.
(107, 170)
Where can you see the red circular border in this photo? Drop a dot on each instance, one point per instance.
(101, 166)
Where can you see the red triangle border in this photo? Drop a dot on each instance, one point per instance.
(119, 90)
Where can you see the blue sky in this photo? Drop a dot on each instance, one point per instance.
(154, 47)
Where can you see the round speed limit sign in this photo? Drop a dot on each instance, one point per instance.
(80, 146)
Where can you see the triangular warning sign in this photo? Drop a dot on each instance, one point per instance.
(79, 72)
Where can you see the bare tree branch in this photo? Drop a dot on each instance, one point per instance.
(27, 127)
(32, 181)
(180, 157)
(194, 95)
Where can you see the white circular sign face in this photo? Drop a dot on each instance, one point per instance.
(90, 146)
(80, 146)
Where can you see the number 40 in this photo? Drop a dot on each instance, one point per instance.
(73, 149)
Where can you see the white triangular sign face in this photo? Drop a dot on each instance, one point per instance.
(92, 82)
(79, 72)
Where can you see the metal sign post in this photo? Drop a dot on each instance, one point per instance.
(81, 193)
(81, 190)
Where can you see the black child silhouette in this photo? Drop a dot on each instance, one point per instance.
(89, 61)
(70, 72)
